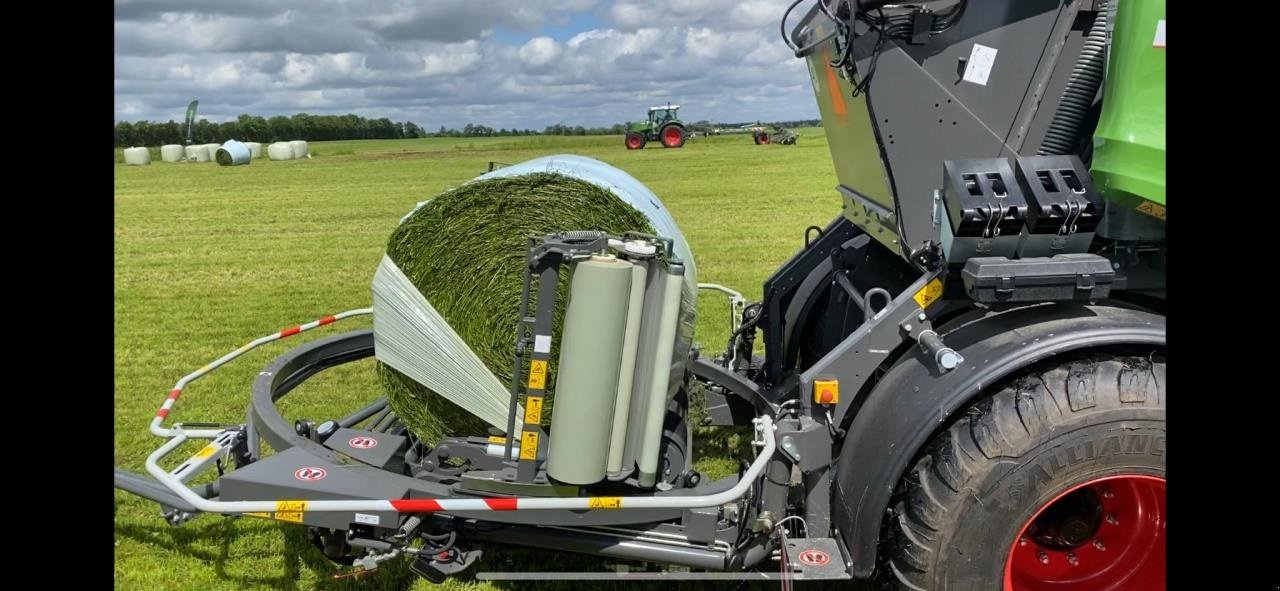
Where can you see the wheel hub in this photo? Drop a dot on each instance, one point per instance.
(1106, 534)
(1070, 522)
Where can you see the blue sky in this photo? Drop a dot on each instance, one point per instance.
(561, 29)
(502, 63)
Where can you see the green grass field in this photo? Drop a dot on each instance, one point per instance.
(208, 258)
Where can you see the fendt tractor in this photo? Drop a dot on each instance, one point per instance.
(663, 125)
(957, 383)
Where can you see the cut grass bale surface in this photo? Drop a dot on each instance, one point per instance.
(465, 251)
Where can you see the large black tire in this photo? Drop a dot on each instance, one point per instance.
(964, 503)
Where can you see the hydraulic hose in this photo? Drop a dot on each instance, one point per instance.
(1077, 98)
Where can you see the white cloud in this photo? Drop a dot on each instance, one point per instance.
(540, 52)
(451, 62)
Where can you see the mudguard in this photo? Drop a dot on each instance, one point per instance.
(914, 399)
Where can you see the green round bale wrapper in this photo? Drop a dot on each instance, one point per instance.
(465, 251)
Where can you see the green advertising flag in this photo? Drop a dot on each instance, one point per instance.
(191, 120)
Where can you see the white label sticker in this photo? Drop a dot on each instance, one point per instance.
(542, 343)
(981, 60)
(1159, 42)
(368, 519)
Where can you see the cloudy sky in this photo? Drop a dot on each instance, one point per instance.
(502, 63)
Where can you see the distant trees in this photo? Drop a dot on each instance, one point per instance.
(303, 126)
(255, 128)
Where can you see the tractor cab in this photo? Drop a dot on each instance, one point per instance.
(658, 116)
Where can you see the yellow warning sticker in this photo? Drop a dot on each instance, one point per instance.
(533, 410)
(262, 514)
(498, 440)
(929, 293)
(529, 445)
(1152, 209)
(208, 450)
(290, 510)
(605, 502)
(538, 374)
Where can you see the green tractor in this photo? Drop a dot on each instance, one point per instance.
(662, 125)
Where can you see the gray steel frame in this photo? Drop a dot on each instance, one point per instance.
(288, 371)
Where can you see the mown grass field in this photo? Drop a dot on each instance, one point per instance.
(208, 258)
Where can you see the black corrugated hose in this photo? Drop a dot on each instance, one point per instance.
(1077, 98)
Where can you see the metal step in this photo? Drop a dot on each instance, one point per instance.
(814, 559)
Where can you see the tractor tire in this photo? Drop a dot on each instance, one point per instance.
(672, 136)
(634, 141)
(1055, 481)
(761, 138)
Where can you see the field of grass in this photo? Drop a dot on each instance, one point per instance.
(208, 258)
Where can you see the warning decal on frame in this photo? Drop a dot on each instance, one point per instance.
(814, 557)
(929, 293)
(290, 510)
(1152, 209)
(529, 445)
(533, 410)
(981, 60)
(208, 450)
(605, 503)
(538, 374)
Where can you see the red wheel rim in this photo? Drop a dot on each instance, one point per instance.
(671, 136)
(764, 138)
(633, 142)
(1106, 534)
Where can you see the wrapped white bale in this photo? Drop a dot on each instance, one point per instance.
(213, 151)
(280, 151)
(300, 149)
(255, 150)
(171, 153)
(198, 153)
(137, 156)
(232, 153)
(443, 317)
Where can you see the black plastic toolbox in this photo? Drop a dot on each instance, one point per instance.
(1065, 277)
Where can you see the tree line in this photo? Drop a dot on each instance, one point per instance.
(474, 130)
(302, 126)
(255, 128)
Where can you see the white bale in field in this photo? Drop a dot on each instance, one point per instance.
(171, 153)
(233, 153)
(255, 150)
(280, 151)
(137, 156)
(300, 149)
(198, 153)
(213, 151)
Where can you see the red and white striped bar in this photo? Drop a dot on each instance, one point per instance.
(764, 437)
(176, 392)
